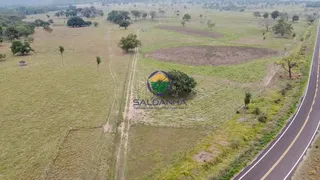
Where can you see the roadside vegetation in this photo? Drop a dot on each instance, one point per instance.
(67, 92)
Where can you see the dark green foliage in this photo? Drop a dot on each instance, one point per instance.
(144, 15)
(12, 33)
(2, 56)
(41, 23)
(295, 18)
(124, 24)
(27, 10)
(78, 22)
(47, 28)
(1, 39)
(257, 111)
(61, 50)
(182, 83)
(294, 35)
(51, 21)
(265, 15)
(262, 118)
(282, 28)
(21, 48)
(275, 14)
(25, 30)
(98, 60)
(136, 14)
(118, 16)
(96, 24)
(129, 42)
(186, 17)
(256, 14)
(247, 99)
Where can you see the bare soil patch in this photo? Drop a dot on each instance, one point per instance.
(211, 55)
(191, 31)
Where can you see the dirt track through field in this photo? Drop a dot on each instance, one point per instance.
(191, 31)
(125, 125)
(211, 55)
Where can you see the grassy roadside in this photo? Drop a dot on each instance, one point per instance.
(245, 139)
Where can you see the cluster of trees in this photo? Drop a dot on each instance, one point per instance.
(28, 10)
(78, 22)
(88, 12)
(123, 17)
(12, 27)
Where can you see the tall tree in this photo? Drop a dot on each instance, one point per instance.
(266, 15)
(98, 59)
(186, 17)
(275, 14)
(290, 62)
(282, 28)
(247, 99)
(61, 50)
(129, 42)
(257, 14)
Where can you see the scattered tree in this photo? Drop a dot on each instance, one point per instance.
(182, 83)
(201, 16)
(290, 62)
(247, 99)
(266, 15)
(136, 14)
(61, 50)
(153, 15)
(78, 22)
(25, 30)
(51, 21)
(129, 42)
(186, 17)
(21, 48)
(275, 14)
(144, 15)
(293, 35)
(295, 18)
(12, 33)
(282, 28)
(96, 24)
(47, 29)
(98, 59)
(2, 56)
(118, 16)
(124, 24)
(257, 14)
(183, 23)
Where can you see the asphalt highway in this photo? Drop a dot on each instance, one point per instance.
(280, 159)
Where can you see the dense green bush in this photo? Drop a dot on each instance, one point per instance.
(17, 47)
(182, 83)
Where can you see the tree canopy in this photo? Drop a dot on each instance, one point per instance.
(275, 14)
(186, 17)
(295, 18)
(129, 42)
(118, 16)
(282, 28)
(124, 24)
(17, 47)
(78, 22)
(183, 84)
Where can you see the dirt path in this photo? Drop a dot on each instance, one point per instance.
(125, 125)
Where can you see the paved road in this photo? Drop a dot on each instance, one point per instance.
(279, 160)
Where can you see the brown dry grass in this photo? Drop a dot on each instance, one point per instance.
(211, 55)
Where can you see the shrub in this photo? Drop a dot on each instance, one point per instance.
(2, 56)
(257, 111)
(22, 48)
(129, 42)
(183, 85)
(262, 118)
(235, 143)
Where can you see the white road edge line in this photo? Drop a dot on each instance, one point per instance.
(294, 118)
(315, 132)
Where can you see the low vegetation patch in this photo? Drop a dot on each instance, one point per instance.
(191, 31)
(211, 55)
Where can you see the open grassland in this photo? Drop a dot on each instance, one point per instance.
(309, 169)
(44, 102)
